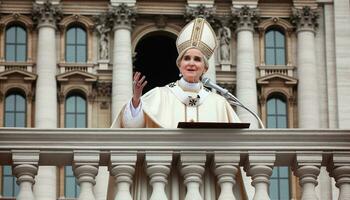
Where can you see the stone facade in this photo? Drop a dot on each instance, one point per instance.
(314, 81)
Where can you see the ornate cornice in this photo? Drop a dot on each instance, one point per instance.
(46, 14)
(122, 16)
(244, 18)
(305, 18)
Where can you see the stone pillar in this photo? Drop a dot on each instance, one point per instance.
(259, 166)
(192, 169)
(122, 167)
(305, 20)
(46, 15)
(226, 167)
(244, 19)
(123, 17)
(307, 169)
(85, 166)
(25, 167)
(158, 169)
(340, 169)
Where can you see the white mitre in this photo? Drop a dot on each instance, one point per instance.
(197, 34)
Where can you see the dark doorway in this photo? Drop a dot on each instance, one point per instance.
(156, 59)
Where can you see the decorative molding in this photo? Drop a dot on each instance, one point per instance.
(77, 18)
(244, 18)
(46, 14)
(104, 89)
(305, 19)
(203, 11)
(122, 16)
(16, 17)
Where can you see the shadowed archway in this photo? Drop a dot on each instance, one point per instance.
(156, 58)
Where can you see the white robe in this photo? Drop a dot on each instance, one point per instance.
(167, 106)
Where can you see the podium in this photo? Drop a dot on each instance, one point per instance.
(212, 125)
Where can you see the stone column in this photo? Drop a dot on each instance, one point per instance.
(305, 20)
(259, 166)
(25, 167)
(122, 167)
(46, 15)
(226, 167)
(158, 169)
(307, 169)
(85, 166)
(123, 17)
(244, 19)
(192, 169)
(340, 169)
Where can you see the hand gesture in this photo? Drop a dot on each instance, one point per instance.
(138, 85)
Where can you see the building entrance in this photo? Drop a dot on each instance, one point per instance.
(156, 59)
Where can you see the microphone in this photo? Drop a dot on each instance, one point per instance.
(230, 97)
(208, 83)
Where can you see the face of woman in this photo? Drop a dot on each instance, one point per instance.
(192, 65)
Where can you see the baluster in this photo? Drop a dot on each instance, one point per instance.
(85, 166)
(25, 167)
(307, 169)
(123, 168)
(340, 170)
(192, 168)
(158, 170)
(226, 168)
(259, 167)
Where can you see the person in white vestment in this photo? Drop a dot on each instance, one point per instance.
(185, 100)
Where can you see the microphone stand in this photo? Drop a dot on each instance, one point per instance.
(234, 101)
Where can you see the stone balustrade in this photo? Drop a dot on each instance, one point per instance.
(192, 153)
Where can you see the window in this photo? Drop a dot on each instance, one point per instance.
(76, 47)
(75, 117)
(75, 112)
(277, 118)
(15, 112)
(275, 52)
(16, 44)
(71, 188)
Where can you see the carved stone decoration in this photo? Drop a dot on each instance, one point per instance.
(122, 16)
(46, 13)
(305, 18)
(104, 89)
(161, 21)
(224, 34)
(245, 18)
(199, 11)
(103, 29)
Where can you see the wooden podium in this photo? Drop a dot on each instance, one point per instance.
(212, 125)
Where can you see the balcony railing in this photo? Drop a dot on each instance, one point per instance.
(7, 66)
(194, 150)
(67, 67)
(276, 69)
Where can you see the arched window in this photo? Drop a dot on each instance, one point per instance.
(275, 48)
(15, 110)
(76, 45)
(75, 111)
(16, 44)
(15, 116)
(277, 118)
(75, 117)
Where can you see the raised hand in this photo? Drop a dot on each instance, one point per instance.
(138, 85)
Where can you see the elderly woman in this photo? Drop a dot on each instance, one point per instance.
(185, 100)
